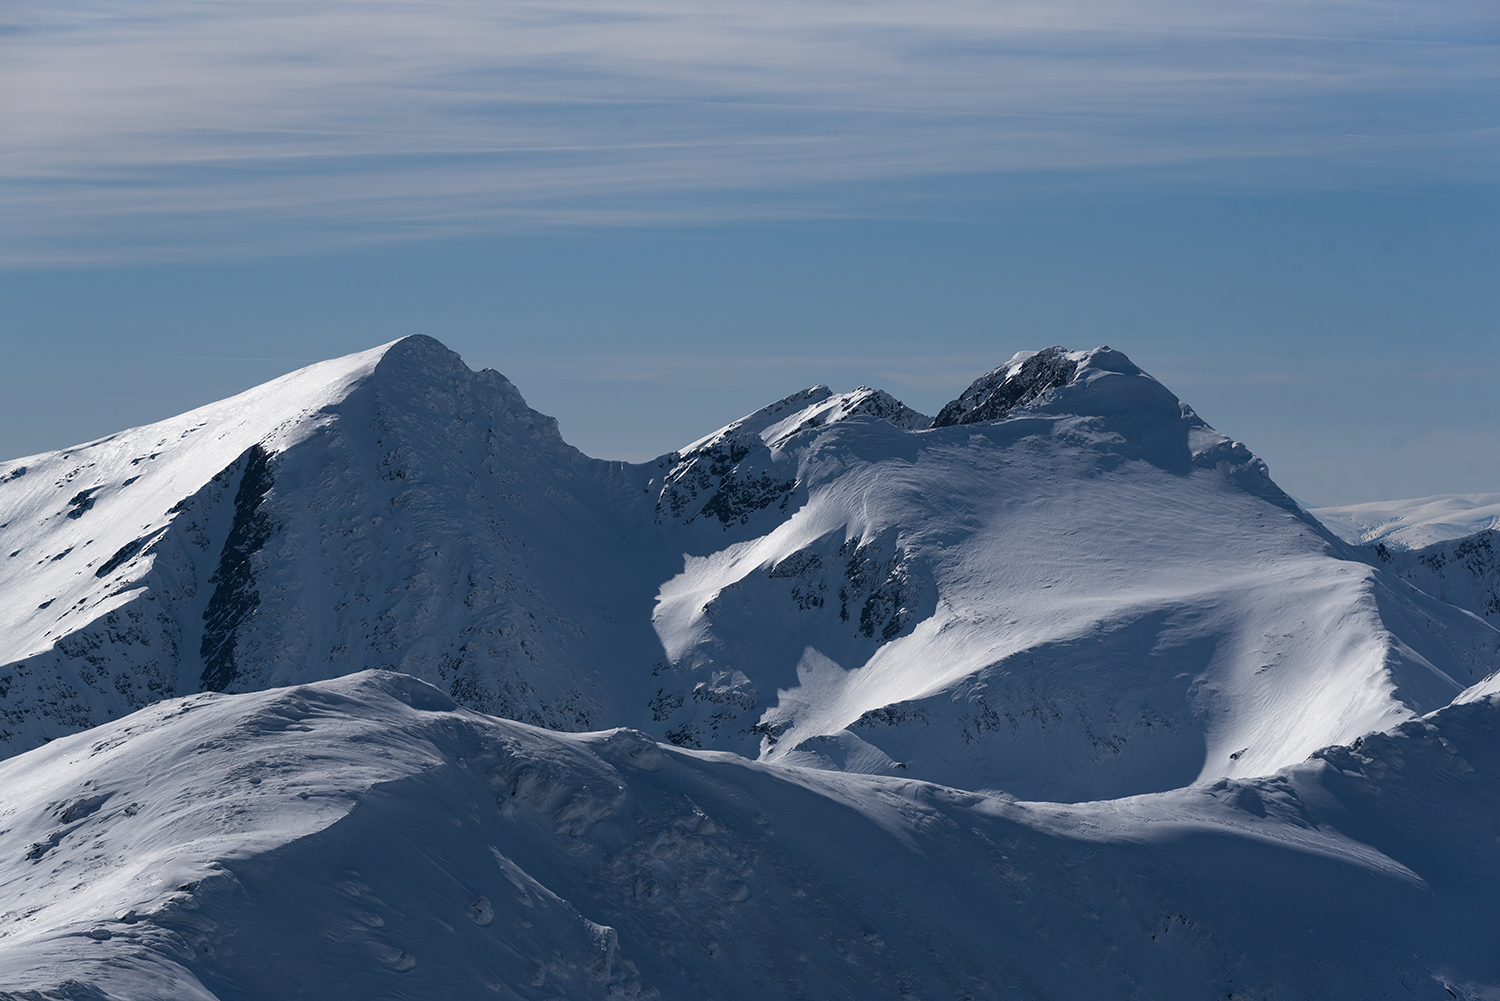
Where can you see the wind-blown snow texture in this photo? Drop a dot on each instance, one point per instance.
(1066, 587)
(364, 838)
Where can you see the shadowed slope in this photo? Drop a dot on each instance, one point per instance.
(364, 837)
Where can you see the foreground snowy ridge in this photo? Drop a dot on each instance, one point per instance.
(365, 837)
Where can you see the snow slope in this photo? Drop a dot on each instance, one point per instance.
(1065, 586)
(1463, 572)
(366, 838)
(387, 509)
(1087, 592)
(1412, 524)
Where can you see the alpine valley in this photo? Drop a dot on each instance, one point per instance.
(365, 684)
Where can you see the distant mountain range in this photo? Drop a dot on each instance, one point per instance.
(1064, 588)
(1412, 524)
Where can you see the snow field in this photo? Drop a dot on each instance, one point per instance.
(365, 838)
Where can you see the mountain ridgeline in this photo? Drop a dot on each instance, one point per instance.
(1066, 585)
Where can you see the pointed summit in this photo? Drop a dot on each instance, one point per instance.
(1025, 378)
(357, 511)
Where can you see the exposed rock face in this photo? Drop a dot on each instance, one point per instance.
(727, 476)
(712, 477)
(235, 595)
(1020, 381)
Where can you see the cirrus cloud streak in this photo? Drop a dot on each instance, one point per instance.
(222, 127)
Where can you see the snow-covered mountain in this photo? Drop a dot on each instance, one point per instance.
(1066, 586)
(1053, 695)
(1449, 546)
(1087, 592)
(366, 838)
(1412, 524)
(391, 507)
(1463, 572)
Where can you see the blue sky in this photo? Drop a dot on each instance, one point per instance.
(654, 216)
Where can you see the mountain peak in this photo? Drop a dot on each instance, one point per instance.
(1025, 378)
(418, 353)
(1098, 382)
(419, 374)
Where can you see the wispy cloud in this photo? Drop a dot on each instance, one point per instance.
(229, 126)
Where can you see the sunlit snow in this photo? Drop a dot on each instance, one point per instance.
(1060, 668)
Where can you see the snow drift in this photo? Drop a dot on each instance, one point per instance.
(365, 837)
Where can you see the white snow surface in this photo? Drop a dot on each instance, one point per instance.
(1095, 595)
(1055, 694)
(1412, 524)
(365, 838)
(1463, 572)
